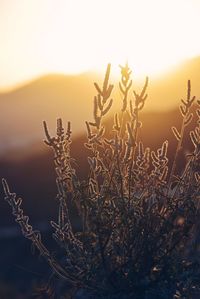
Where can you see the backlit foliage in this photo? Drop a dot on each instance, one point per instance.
(138, 216)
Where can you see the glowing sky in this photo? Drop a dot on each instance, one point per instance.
(72, 36)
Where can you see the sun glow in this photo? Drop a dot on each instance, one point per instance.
(74, 36)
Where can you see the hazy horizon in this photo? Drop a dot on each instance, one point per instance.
(100, 73)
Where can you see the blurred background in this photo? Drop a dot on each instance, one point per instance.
(51, 54)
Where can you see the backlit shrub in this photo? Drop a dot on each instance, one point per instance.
(139, 218)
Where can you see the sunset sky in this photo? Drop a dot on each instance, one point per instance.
(72, 36)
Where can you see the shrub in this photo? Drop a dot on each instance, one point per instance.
(138, 218)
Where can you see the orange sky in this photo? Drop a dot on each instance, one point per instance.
(73, 36)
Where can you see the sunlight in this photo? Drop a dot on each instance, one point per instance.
(152, 35)
(75, 36)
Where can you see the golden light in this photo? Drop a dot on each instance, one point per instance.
(73, 36)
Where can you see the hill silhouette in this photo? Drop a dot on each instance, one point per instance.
(49, 97)
(23, 109)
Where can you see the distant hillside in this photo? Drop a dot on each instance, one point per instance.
(166, 92)
(71, 97)
(23, 110)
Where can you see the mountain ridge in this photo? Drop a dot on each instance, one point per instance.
(71, 97)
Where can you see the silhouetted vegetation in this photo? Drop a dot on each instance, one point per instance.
(138, 231)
